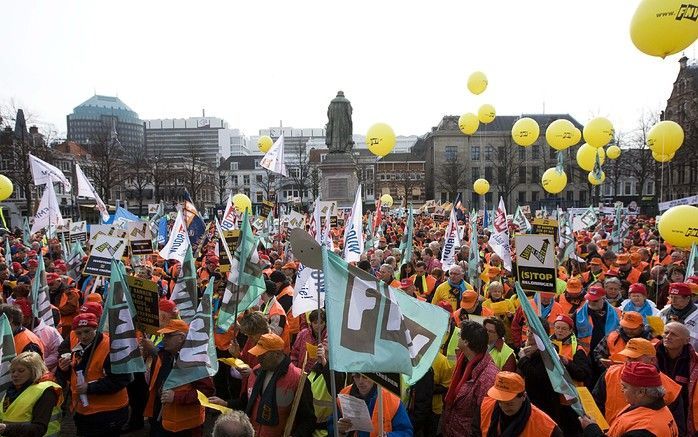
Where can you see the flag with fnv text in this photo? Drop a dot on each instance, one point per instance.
(46, 174)
(451, 242)
(41, 304)
(49, 213)
(7, 354)
(499, 240)
(184, 293)
(118, 320)
(521, 221)
(376, 328)
(178, 243)
(353, 233)
(197, 358)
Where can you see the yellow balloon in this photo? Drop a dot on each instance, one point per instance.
(242, 203)
(559, 134)
(677, 226)
(525, 131)
(665, 137)
(6, 187)
(481, 186)
(664, 27)
(264, 143)
(477, 82)
(662, 158)
(586, 157)
(387, 200)
(380, 139)
(486, 113)
(613, 152)
(576, 136)
(554, 181)
(598, 132)
(468, 123)
(594, 181)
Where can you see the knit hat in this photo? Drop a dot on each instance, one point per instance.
(167, 306)
(637, 288)
(92, 308)
(16, 266)
(594, 293)
(679, 289)
(84, 320)
(641, 375)
(565, 318)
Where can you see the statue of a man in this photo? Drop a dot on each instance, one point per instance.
(339, 129)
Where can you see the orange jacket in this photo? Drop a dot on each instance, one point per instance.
(292, 322)
(23, 338)
(658, 422)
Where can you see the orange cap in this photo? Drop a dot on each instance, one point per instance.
(574, 285)
(175, 325)
(94, 297)
(469, 300)
(636, 348)
(631, 320)
(622, 258)
(267, 343)
(507, 385)
(597, 262)
(289, 265)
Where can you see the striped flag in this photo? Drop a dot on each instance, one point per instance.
(41, 305)
(7, 353)
(185, 293)
(407, 246)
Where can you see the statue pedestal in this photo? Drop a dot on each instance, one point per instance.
(338, 180)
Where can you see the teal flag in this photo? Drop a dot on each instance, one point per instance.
(197, 358)
(8, 252)
(26, 232)
(7, 353)
(407, 246)
(521, 221)
(118, 321)
(566, 242)
(596, 172)
(74, 260)
(64, 246)
(41, 305)
(692, 264)
(185, 293)
(369, 233)
(615, 232)
(244, 280)
(375, 328)
(589, 219)
(559, 378)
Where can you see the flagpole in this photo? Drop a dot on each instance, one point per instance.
(379, 400)
(333, 388)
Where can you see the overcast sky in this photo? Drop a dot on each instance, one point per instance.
(255, 63)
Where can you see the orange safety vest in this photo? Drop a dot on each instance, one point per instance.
(391, 404)
(615, 401)
(175, 417)
(67, 319)
(24, 338)
(286, 387)
(277, 310)
(634, 276)
(292, 322)
(93, 372)
(428, 284)
(658, 422)
(615, 343)
(539, 424)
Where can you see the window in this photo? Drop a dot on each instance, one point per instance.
(488, 197)
(535, 152)
(522, 197)
(501, 175)
(474, 153)
(246, 179)
(259, 178)
(488, 152)
(535, 175)
(522, 153)
(233, 165)
(369, 174)
(476, 173)
(534, 196)
(444, 197)
(522, 175)
(256, 163)
(500, 153)
(451, 153)
(260, 196)
(649, 188)
(583, 197)
(294, 173)
(628, 188)
(474, 199)
(488, 173)
(234, 180)
(570, 196)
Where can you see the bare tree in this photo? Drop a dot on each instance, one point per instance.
(194, 173)
(639, 163)
(505, 159)
(315, 182)
(268, 184)
(108, 157)
(299, 171)
(162, 171)
(139, 174)
(452, 176)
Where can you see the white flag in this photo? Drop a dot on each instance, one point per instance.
(274, 159)
(176, 247)
(499, 240)
(230, 216)
(326, 232)
(521, 221)
(45, 173)
(353, 233)
(315, 223)
(451, 241)
(86, 189)
(49, 214)
(305, 294)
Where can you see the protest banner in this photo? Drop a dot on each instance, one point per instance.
(105, 249)
(535, 255)
(544, 226)
(140, 238)
(78, 232)
(109, 230)
(267, 208)
(231, 239)
(145, 298)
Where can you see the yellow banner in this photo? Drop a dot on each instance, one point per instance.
(590, 407)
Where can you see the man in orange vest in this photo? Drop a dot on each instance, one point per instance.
(424, 282)
(175, 410)
(643, 391)
(284, 295)
(100, 400)
(632, 325)
(507, 411)
(25, 340)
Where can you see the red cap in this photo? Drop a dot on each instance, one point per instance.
(638, 288)
(85, 319)
(406, 283)
(692, 280)
(565, 318)
(167, 306)
(33, 263)
(16, 266)
(596, 292)
(23, 304)
(92, 308)
(52, 277)
(679, 289)
(640, 374)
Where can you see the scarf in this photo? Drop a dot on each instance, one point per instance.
(13, 393)
(583, 323)
(267, 412)
(457, 290)
(645, 309)
(545, 309)
(514, 425)
(680, 315)
(465, 370)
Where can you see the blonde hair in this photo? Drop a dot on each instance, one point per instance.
(33, 362)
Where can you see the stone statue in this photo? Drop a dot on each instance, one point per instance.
(339, 128)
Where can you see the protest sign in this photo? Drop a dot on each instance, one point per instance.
(544, 226)
(109, 230)
(231, 239)
(105, 249)
(535, 262)
(267, 208)
(140, 238)
(145, 298)
(78, 232)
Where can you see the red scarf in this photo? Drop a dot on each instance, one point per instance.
(464, 376)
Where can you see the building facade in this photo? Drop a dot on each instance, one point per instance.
(403, 176)
(200, 138)
(94, 121)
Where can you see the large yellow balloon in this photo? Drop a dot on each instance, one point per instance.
(380, 139)
(387, 200)
(525, 131)
(559, 134)
(477, 82)
(664, 27)
(598, 132)
(468, 123)
(486, 113)
(576, 136)
(242, 203)
(665, 137)
(677, 226)
(586, 157)
(594, 181)
(613, 152)
(264, 143)
(554, 181)
(662, 158)
(5, 187)
(481, 186)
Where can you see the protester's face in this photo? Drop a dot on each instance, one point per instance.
(384, 274)
(375, 261)
(363, 384)
(595, 269)
(612, 289)
(317, 325)
(85, 334)
(20, 374)
(634, 332)
(455, 276)
(419, 270)
(491, 333)
(631, 394)
(511, 407)
(426, 257)
(173, 341)
(679, 302)
(674, 338)
(597, 304)
(676, 256)
(495, 292)
(625, 267)
(676, 276)
(269, 360)
(561, 330)
(638, 299)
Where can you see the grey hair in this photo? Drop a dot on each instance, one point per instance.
(389, 267)
(390, 259)
(612, 281)
(455, 267)
(655, 392)
(235, 417)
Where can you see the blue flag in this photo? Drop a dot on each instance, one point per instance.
(162, 231)
(195, 224)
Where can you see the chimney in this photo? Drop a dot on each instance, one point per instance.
(683, 61)
(34, 130)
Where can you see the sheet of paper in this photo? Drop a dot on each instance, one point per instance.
(203, 400)
(591, 408)
(356, 410)
(312, 350)
(234, 362)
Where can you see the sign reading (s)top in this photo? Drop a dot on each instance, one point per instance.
(104, 250)
(535, 262)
